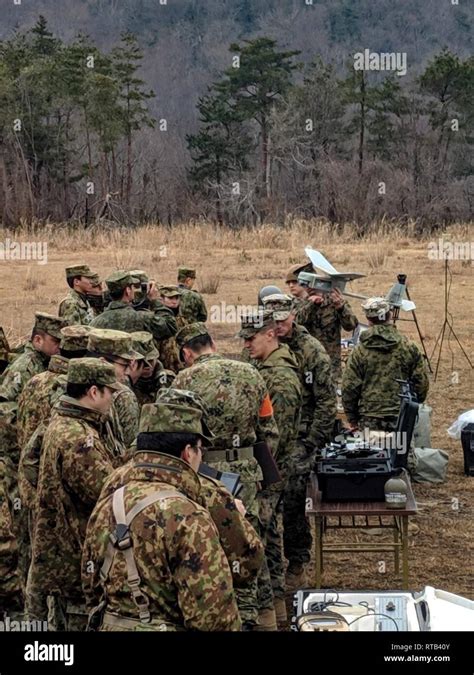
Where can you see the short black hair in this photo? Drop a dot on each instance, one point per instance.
(199, 342)
(169, 443)
(79, 390)
(76, 354)
(70, 280)
(118, 294)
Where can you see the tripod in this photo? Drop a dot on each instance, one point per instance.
(447, 323)
(402, 278)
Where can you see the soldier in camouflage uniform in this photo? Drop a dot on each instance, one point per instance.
(153, 377)
(45, 340)
(280, 370)
(74, 465)
(171, 546)
(317, 422)
(241, 543)
(324, 315)
(120, 314)
(34, 409)
(370, 392)
(11, 596)
(298, 292)
(116, 347)
(75, 308)
(240, 415)
(4, 351)
(171, 297)
(192, 307)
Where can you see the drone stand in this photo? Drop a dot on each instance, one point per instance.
(447, 325)
(396, 317)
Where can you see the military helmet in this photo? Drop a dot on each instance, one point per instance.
(267, 290)
(376, 308)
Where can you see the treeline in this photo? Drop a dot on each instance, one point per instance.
(275, 138)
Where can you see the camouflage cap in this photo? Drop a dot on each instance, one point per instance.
(141, 275)
(169, 291)
(376, 307)
(172, 418)
(50, 324)
(74, 338)
(107, 342)
(119, 280)
(91, 371)
(144, 344)
(187, 398)
(80, 271)
(4, 346)
(189, 332)
(280, 304)
(292, 273)
(186, 272)
(252, 323)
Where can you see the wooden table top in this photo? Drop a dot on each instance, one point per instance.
(320, 508)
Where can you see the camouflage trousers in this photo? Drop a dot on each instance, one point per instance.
(69, 616)
(378, 423)
(271, 578)
(297, 540)
(250, 475)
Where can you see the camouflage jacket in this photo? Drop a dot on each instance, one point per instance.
(76, 309)
(369, 387)
(74, 466)
(29, 363)
(325, 322)
(281, 374)
(159, 320)
(34, 410)
(146, 389)
(236, 399)
(125, 415)
(182, 566)
(192, 307)
(9, 581)
(241, 543)
(319, 395)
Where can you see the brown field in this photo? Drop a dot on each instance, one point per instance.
(441, 544)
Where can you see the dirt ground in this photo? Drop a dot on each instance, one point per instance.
(441, 548)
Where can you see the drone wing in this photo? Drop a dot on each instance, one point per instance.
(319, 262)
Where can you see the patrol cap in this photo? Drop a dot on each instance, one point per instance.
(50, 324)
(186, 272)
(74, 338)
(90, 371)
(315, 281)
(254, 322)
(280, 305)
(119, 280)
(172, 418)
(292, 273)
(144, 344)
(189, 332)
(376, 307)
(169, 291)
(141, 275)
(80, 271)
(187, 398)
(108, 342)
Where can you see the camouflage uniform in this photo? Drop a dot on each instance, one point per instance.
(11, 599)
(4, 351)
(74, 465)
(184, 579)
(325, 322)
(75, 307)
(125, 411)
(119, 315)
(169, 353)
(280, 370)
(192, 307)
(317, 422)
(370, 393)
(239, 415)
(146, 388)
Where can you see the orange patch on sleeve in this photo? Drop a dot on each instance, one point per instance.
(266, 409)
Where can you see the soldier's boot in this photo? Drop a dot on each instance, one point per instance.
(266, 621)
(280, 612)
(295, 577)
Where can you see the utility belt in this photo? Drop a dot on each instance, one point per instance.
(127, 623)
(230, 455)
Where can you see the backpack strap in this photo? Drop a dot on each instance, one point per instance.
(120, 540)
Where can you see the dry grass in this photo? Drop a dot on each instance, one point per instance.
(210, 284)
(441, 552)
